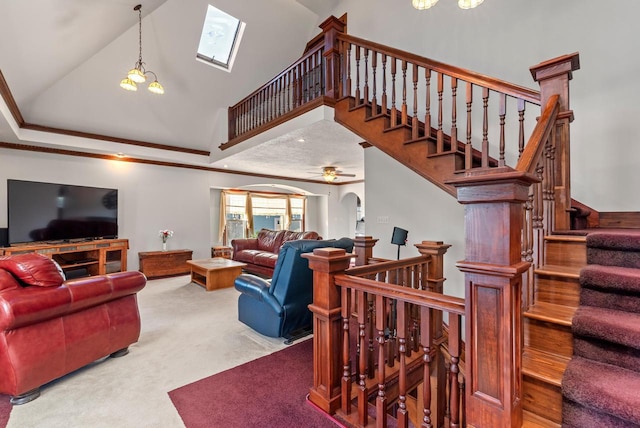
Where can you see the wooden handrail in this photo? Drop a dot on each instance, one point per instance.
(423, 298)
(456, 72)
(539, 136)
(283, 73)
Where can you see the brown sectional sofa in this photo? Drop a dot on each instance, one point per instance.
(261, 253)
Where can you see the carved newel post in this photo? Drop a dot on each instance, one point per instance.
(327, 326)
(493, 283)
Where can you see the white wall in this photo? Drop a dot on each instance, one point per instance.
(503, 38)
(397, 196)
(151, 198)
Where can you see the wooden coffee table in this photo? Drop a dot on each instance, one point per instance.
(215, 273)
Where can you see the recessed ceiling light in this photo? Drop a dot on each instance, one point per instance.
(300, 140)
(226, 166)
(120, 155)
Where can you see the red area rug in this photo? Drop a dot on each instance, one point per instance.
(5, 410)
(268, 392)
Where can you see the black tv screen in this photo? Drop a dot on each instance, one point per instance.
(60, 212)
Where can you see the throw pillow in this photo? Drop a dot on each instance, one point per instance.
(32, 269)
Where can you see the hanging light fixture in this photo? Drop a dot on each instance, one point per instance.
(469, 4)
(138, 73)
(462, 4)
(423, 4)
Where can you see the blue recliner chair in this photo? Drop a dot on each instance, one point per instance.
(278, 308)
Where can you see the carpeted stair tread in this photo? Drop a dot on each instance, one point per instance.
(603, 387)
(575, 415)
(612, 301)
(607, 352)
(618, 327)
(620, 248)
(622, 240)
(613, 278)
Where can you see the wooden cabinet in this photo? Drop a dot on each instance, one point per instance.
(81, 258)
(222, 251)
(156, 264)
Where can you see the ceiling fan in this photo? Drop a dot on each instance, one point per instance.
(331, 173)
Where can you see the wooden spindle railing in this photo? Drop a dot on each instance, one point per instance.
(407, 69)
(388, 324)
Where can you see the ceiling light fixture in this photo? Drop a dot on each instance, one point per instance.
(138, 73)
(462, 4)
(329, 174)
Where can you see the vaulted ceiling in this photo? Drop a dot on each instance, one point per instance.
(62, 61)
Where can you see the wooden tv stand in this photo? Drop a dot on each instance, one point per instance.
(80, 258)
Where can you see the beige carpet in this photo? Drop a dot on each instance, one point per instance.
(187, 334)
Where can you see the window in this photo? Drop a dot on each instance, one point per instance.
(221, 34)
(243, 214)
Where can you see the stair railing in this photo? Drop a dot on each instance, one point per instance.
(431, 97)
(377, 335)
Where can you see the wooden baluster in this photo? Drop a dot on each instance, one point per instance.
(485, 127)
(253, 117)
(440, 135)
(358, 99)
(550, 157)
(374, 100)
(425, 341)
(288, 91)
(454, 115)
(363, 307)
(365, 95)
(454, 352)
(271, 96)
(381, 400)
(348, 66)
(370, 326)
(502, 112)
(298, 86)
(403, 417)
(414, 120)
(383, 104)
(521, 107)
(427, 116)
(405, 119)
(346, 350)
(305, 80)
(468, 148)
(463, 402)
(394, 111)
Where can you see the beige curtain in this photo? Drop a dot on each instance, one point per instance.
(248, 206)
(287, 214)
(223, 216)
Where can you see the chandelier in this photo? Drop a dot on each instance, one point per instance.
(138, 73)
(462, 4)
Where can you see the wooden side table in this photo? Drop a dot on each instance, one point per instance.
(157, 264)
(222, 251)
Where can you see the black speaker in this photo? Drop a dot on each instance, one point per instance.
(4, 237)
(399, 236)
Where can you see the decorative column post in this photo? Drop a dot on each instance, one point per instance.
(363, 248)
(331, 27)
(493, 282)
(435, 281)
(327, 326)
(554, 76)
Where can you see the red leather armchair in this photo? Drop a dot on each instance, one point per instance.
(50, 327)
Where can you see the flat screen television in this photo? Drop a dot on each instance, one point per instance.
(60, 212)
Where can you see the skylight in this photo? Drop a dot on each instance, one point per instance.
(221, 34)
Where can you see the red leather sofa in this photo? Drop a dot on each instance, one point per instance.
(50, 327)
(261, 253)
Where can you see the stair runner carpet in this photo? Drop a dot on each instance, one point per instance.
(601, 386)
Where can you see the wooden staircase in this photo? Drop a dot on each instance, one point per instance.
(548, 343)
(407, 107)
